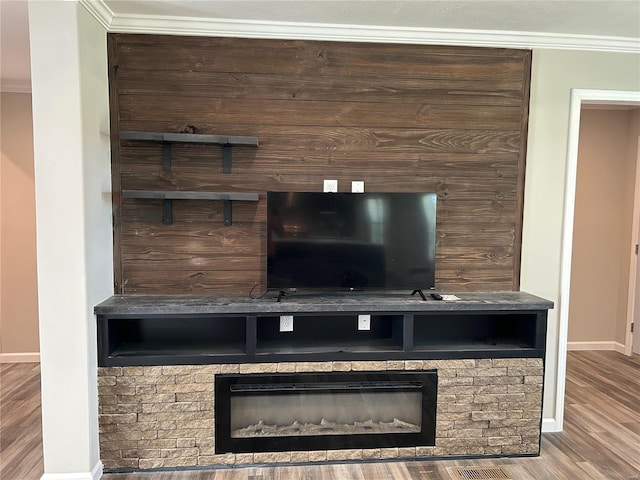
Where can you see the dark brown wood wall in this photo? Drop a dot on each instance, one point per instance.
(402, 118)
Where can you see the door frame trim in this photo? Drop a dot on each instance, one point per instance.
(633, 265)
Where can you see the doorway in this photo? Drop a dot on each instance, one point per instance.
(603, 266)
(579, 98)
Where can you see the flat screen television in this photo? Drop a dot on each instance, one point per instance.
(351, 241)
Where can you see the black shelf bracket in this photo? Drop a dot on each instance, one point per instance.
(226, 205)
(167, 212)
(226, 158)
(166, 157)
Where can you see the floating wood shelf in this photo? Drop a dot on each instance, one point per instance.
(166, 139)
(167, 197)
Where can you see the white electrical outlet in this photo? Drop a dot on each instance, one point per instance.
(357, 187)
(286, 323)
(364, 322)
(330, 186)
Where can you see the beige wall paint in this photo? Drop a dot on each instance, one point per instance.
(554, 74)
(19, 293)
(602, 227)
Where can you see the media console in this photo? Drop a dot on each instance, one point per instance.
(196, 330)
(163, 362)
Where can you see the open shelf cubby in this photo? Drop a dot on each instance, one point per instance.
(329, 333)
(477, 331)
(146, 339)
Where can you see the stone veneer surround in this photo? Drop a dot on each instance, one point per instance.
(163, 416)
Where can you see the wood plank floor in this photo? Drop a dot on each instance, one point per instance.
(20, 422)
(601, 440)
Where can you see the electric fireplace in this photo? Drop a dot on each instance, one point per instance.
(324, 411)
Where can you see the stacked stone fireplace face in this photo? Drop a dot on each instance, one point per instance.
(167, 416)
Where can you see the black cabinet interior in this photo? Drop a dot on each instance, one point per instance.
(489, 331)
(171, 336)
(329, 333)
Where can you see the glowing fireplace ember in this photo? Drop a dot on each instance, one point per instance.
(325, 427)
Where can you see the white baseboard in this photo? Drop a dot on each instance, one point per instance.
(31, 357)
(615, 346)
(550, 425)
(94, 474)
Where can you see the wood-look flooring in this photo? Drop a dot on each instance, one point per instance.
(20, 422)
(601, 440)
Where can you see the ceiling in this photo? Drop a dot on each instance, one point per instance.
(591, 24)
(609, 18)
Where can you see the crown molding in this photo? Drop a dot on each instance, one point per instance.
(15, 86)
(353, 33)
(100, 11)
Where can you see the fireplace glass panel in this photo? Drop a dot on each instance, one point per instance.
(324, 411)
(311, 414)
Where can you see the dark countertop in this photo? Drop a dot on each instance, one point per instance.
(321, 303)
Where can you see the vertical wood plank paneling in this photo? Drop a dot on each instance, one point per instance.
(450, 120)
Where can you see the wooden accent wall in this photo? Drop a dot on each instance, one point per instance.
(402, 118)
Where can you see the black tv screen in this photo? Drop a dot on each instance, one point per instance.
(351, 241)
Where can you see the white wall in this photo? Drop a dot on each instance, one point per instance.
(554, 74)
(74, 239)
